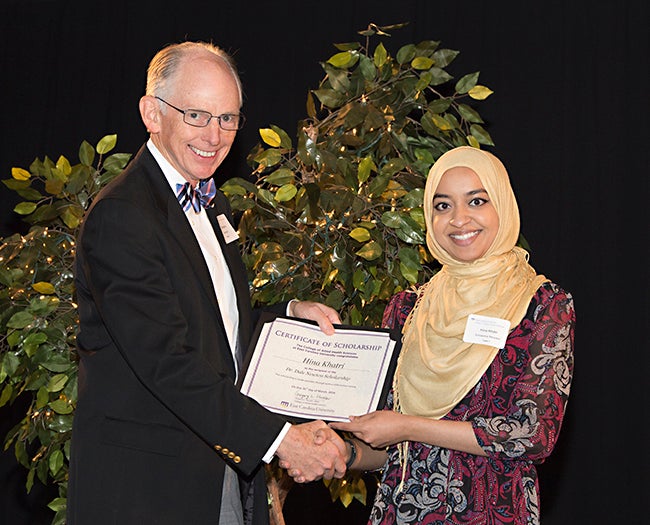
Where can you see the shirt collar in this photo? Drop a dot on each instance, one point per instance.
(171, 174)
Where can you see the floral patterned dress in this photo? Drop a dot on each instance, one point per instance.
(516, 410)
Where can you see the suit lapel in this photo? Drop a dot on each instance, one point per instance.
(180, 229)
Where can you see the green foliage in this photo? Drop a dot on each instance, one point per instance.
(337, 217)
(38, 316)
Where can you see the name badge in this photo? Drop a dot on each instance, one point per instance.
(490, 331)
(229, 233)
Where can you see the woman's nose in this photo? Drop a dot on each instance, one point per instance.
(458, 219)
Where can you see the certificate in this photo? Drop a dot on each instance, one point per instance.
(297, 370)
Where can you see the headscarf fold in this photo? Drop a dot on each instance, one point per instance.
(436, 369)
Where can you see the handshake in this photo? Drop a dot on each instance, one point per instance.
(312, 451)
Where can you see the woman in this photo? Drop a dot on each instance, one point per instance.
(484, 374)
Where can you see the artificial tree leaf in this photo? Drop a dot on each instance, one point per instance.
(347, 46)
(441, 123)
(63, 166)
(280, 176)
(55, 462)
(370, 251)
(25, 208)
(60, 423)
(20, 320)
(286, 193)
(405, 54)
(86, 153)
(469, 113)
(31, 343)
(15, 184)
(114, 164)
(285, 140)
(367, 68)
(360, 234)
(481, 135)
(480, 92)
(44, 287)
(20, 174)
(269, 157)
(77, 180)
(329, 97)
(380, 55)
(42, 397)
(444, 57)
(270, 137)
(5, 396)
(106, 144)
(57, 382)
(57, 504)
(54, 186)
(467, 82)
(359, 279)
(439, 76)
(345, 59)
(29, 194)
(338, 78)
(422, 63)
(378, 184)
(366, 166)
(61, 407)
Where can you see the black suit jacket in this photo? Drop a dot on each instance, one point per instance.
(158, 414)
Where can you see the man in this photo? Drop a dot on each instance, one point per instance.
(161, 433)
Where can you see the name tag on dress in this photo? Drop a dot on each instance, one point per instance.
(490, 331)
(229, 233)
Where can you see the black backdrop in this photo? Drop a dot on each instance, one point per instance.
(568, 116)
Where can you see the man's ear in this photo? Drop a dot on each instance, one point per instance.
(150, 113)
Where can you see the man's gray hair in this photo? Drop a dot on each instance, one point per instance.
(166, 62)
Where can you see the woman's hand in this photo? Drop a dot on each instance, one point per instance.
(379, 429)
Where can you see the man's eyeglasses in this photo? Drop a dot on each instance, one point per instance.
(200, 119)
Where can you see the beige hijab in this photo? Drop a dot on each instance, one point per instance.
(436, 368)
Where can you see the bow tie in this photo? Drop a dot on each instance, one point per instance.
(200, 196)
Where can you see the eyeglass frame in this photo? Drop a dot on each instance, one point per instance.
(240, 116)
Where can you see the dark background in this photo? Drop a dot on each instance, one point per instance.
(569, 118)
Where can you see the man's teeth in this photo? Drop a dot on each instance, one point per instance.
(203, 153)
(464, 236)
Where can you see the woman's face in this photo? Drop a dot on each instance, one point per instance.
(465, 223)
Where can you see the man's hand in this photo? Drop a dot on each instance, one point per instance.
(312, 451)
(324, 315)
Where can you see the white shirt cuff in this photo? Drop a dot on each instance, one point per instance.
(274, 446)
(288, 312)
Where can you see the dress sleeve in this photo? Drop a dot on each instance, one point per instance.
(397, 310)
(530, 426)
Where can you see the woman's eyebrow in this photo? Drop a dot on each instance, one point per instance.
(469, 193)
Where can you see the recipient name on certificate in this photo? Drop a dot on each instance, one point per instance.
(299, 371)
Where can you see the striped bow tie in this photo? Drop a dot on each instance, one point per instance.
(200, 196)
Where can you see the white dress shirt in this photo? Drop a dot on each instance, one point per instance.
(219, 272)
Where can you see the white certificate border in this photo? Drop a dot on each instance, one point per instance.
(261, 346)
